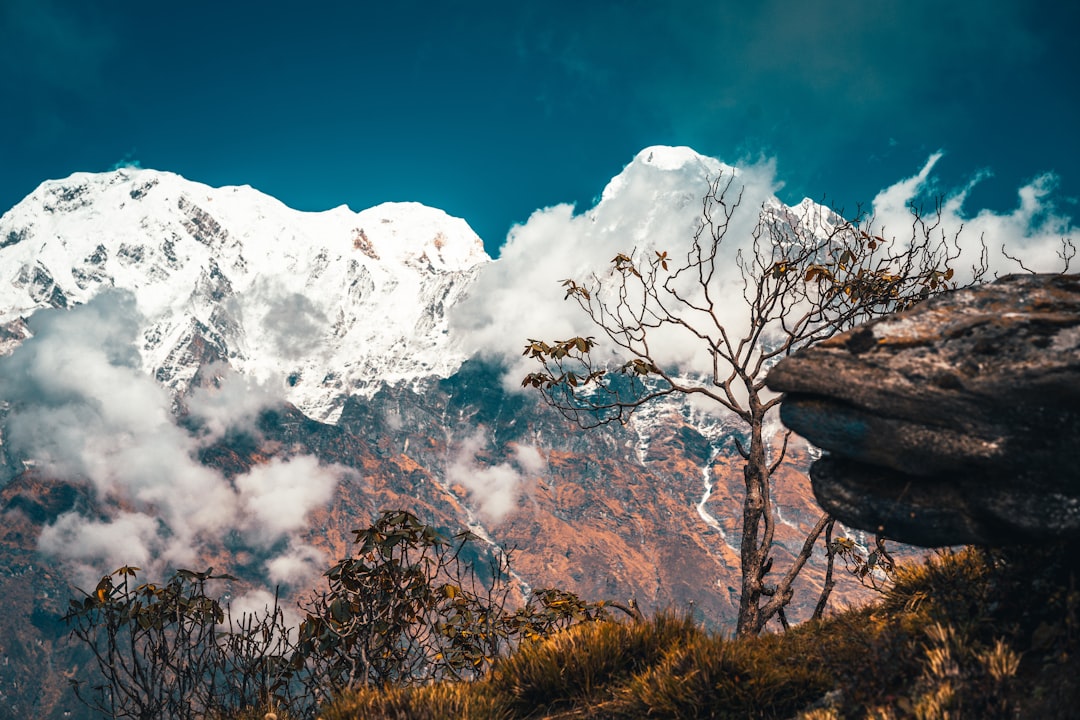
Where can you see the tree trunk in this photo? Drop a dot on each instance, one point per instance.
(752, 555)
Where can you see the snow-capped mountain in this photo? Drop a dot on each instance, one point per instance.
(388, 333)
(323, 305)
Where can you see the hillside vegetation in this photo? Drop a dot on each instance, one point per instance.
(405, 631)
(967, 634)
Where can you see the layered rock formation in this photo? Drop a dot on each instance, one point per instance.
(954, 422)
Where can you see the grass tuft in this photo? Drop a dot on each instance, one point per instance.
(716, 678)
(966, 634)
(461, 701)
(585, 663)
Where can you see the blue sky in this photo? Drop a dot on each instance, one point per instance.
(490, 110)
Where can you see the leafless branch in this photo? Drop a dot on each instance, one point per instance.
(802, 276)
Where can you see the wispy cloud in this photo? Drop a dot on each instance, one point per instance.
(493, 488)
(1032, 231)
(274, 505)
(291, 322)
(225, 401)
(84, 411)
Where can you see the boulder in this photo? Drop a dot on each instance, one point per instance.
(951, 423)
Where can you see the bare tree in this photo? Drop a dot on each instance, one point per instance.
(804, 276)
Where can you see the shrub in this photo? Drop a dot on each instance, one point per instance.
(405, 609)
(172, 650)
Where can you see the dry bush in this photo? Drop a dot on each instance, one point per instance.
(961, 635)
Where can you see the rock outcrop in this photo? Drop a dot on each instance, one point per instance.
(955, 422)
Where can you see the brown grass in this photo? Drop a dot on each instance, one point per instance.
(968, 634)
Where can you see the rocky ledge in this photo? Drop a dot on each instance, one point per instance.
(953, 423)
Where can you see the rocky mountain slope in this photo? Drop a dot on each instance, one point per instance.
(200, 376)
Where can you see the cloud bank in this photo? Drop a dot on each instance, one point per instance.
(81, 409)
(655, 204)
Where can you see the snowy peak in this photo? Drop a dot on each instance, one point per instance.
(321, 305)
(414, 233)
(666, 157)
(665, 173)
(403, 231)
(661, 178)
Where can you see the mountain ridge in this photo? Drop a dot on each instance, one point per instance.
(275, 292)
(266, 375)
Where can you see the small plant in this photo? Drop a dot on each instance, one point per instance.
(172, 650)
(406, 609)
(586, 662)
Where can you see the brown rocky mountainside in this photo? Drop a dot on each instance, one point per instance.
(609, 515)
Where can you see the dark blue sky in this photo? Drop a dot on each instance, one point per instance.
(490, 110)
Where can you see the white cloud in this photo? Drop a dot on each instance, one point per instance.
(529, 459)
(259, 602)
(283, 322)
(276, 497)
(81, 408)
(893, 201)
(656, 204)
(299, 566)
(293, 323)
(124, 539)
(233, 401)
(1033, 231)
(493, 488)
(393, 420)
